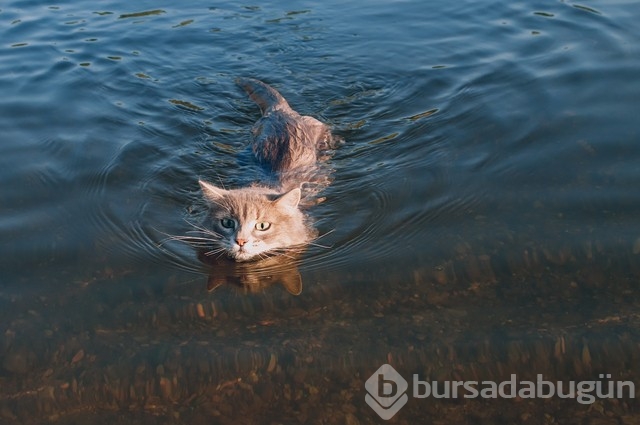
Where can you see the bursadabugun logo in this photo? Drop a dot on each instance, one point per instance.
(386, 391)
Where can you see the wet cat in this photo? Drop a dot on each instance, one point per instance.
(262, 220)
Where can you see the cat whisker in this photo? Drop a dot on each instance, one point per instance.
(222, 252)
(168, 238)
(264, 256)
(214, 252)
(174, 238)
(207, 237)
(188, 238)
(313, 243)
(320, 246)
(324, 234)
(194, 241)
(191, 240)
(282, 251)
(202, 229)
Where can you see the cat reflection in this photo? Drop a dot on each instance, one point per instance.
(253, 277)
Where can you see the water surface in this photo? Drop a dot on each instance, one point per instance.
(482, 219)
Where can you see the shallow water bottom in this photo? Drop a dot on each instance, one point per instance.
(174, 353)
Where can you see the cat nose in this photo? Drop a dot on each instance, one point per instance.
(241, 242)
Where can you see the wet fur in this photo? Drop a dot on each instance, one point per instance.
(284, 141)
(287, 144)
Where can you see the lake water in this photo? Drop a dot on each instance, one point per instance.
(483, 220)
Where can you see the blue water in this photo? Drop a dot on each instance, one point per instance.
(484, 205)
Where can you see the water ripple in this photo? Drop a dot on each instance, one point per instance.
(442, 123)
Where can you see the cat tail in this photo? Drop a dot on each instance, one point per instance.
(265, 96)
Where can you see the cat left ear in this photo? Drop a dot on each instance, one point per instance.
(210, 191)
(291, 199)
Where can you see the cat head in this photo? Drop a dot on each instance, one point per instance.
(253, 222)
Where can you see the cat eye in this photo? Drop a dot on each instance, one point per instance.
(228, 223)
(263, 225)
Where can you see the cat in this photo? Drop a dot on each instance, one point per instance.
(262, 220)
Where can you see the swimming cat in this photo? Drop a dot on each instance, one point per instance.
(262, 220)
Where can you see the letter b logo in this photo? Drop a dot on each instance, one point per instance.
(386, 391)
(386, 384)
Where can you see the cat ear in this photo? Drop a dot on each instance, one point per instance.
(210, 191)
(289, 199)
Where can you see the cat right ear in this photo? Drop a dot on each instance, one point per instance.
(210, 191)
(289, 199)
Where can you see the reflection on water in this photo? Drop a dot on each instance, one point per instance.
(253, 277)
(482, 217)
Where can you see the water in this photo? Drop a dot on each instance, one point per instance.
(482, 220)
